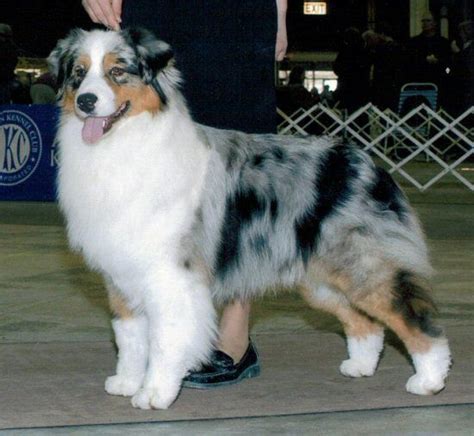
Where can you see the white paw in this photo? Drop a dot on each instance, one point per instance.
(153, 398)
(422, 385)
(364, 355)
(120, 385)
(357, 368)
(431, 369)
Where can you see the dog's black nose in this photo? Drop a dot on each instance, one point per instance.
(86, 102)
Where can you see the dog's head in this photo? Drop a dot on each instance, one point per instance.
(105, 76)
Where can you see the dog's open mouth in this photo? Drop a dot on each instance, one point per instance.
(96, 127)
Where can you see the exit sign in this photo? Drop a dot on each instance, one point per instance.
(315, 8)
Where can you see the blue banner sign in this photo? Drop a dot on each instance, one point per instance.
(28, 160)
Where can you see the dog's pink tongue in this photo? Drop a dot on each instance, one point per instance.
(93, 129)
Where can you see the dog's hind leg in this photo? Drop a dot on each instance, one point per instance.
(181, 320)
(364, 336)
(404, 305)
(131, 337)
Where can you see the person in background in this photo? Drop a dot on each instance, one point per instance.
(352, 67)
(43, 90)
(294, 96)
(462, 74)
(226, 51)
(428, 55)
(8, 61)
(327, 97)
(386, 68)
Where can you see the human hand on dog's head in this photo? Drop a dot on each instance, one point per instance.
(106, 12)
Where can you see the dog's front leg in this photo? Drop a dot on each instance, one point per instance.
(131, 337)
(181, 322)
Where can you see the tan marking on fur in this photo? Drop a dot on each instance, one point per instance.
(67, 102)
(119, 306)
(380, 305)
(341, 281)
(142, 97)
(320, 271)
(355, 323)
(375, 300)
(110, 60)
(358, 325)
(84, 60)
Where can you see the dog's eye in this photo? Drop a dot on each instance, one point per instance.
(80, 71)
(117, 72)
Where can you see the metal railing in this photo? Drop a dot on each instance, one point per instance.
(436, 143)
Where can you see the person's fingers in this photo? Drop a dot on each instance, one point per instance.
(106, 14)
(280, 53)
(95, 11)
(101, 11)
(281, 46)
(90, 12)
(117, 8)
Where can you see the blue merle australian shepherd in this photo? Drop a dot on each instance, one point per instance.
(176, 216)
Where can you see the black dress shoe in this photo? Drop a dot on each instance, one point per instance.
(222, 371)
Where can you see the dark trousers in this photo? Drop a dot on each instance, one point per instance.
(225, 50)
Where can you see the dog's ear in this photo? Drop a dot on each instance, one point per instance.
(153, 56)
(61, 59)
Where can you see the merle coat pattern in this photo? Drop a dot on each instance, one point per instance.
(176, 215)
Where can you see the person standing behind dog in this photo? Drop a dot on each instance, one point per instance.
(226, 51)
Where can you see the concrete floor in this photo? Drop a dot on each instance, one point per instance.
(47, 295)
(448, 420)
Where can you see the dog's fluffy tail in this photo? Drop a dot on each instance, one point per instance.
(412, 299)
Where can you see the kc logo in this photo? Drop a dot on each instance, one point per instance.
(20, 147)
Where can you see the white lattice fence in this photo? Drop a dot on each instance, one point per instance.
(441, 145)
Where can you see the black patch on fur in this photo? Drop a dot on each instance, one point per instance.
(61, 59)
(65, 71)
(260, 245)
(332, 190)
(276, 154)
(413, 301)
(187, 264)
(241, 209)
(279, 154)
(75, 83)
(75, 78)
(258, 160)
(274, 209)
(249, 206)
(386, 193)
(159, 90)
(150, 59)
(158, 61)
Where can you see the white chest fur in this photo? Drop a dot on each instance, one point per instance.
(130, 199)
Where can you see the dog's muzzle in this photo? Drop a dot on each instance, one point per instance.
(96, 127)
